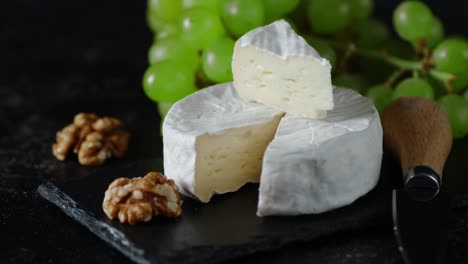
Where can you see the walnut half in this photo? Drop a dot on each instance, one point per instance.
(139, 199)
(95, 139)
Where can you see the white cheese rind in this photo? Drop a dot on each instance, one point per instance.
(279, 39)
(275, 66)
(313, 166)
(212, 127)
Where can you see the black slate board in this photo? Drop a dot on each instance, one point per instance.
(224, 229)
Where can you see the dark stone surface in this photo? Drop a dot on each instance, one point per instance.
(61, 57)
(225, 228)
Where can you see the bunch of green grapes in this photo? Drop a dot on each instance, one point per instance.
(442, 74)
(194, 42)
(370, 61)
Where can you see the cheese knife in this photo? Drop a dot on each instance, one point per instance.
(418, 134)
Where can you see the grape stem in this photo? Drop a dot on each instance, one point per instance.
(392, 60)
(394, 78)
(445, 77)
(407, 65)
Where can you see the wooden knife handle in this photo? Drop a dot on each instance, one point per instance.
(417, 132)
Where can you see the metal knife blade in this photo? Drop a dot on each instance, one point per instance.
(417, 132)
(421, 227)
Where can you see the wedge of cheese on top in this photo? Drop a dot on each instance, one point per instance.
(276, 67)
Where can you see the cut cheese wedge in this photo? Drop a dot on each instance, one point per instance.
(275, 66)
(214, 141)
(313, 166)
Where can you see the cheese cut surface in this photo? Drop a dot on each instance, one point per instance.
(214, 141)
(275, 66)
(313, 166)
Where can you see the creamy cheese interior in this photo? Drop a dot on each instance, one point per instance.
(225, 162)
(214, 141)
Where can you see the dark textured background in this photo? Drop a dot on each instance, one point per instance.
(61, 57)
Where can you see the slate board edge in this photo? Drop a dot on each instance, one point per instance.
(51, 193)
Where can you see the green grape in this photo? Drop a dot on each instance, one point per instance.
(213, 5)
(173, 49)
(381, 95)
(216, 60)
(451, 55)
(199, 27)
(161, 28)
(460, 82)
(352, 81)
(456, 109)
(372, 34)
(324, 50)
(437, 32)
(412, 21)
(163, 108)
(276, 9)
(168, 81)
(329, 16)
(241, 16)
(414, 87)
(362, 8)
(166, 10)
